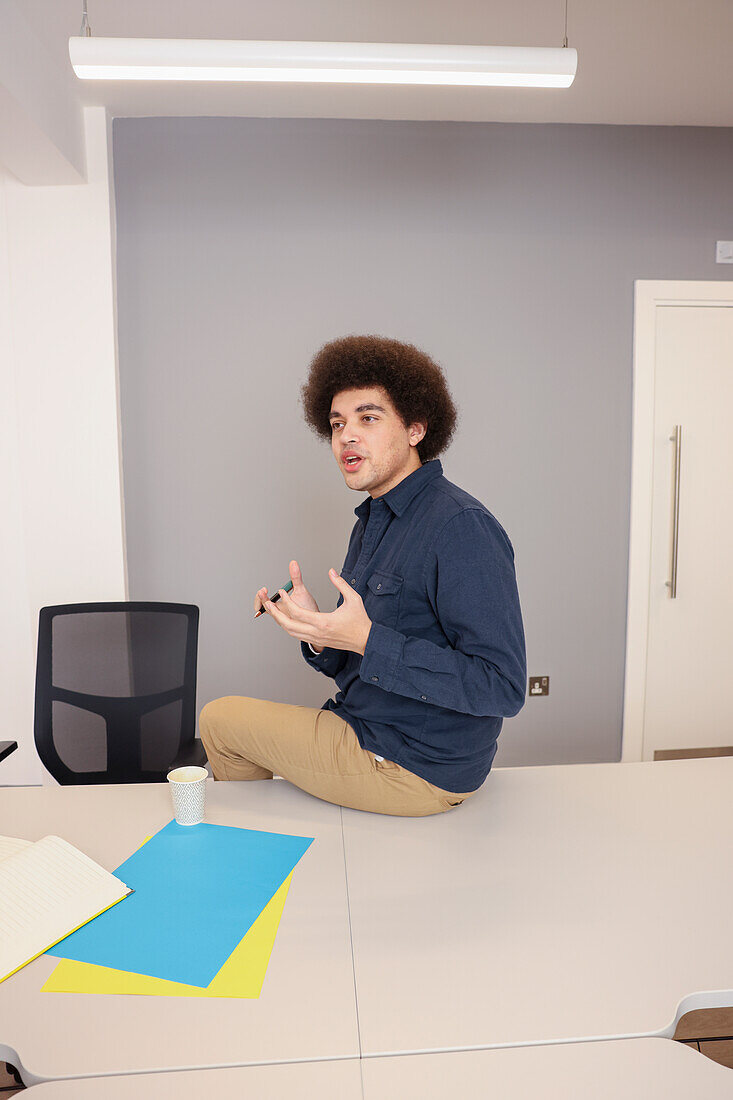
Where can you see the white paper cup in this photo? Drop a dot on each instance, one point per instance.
(188, 791)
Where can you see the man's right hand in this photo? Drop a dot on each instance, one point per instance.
(299, 594)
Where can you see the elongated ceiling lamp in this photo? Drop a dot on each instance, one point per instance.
(319, 62)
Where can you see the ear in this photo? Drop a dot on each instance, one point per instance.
(417, 432)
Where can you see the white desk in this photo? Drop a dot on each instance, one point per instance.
(559, 903)
(634, 1069)
(307, 1006)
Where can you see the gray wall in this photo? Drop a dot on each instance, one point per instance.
(508, 252)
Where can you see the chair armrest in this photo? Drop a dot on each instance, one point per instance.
(6, 747)
(192, 754)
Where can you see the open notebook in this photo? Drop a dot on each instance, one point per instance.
(47, 890)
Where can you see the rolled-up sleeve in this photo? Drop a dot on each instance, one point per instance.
(471, 583)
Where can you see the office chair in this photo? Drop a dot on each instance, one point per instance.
(116, 691)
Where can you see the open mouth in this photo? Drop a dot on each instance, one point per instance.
(353, 463)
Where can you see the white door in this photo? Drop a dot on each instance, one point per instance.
(679, 677)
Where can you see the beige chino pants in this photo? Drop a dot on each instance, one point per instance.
(316, 751)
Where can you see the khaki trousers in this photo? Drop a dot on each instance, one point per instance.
(316, 751)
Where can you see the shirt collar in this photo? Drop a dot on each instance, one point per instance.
(405, 492)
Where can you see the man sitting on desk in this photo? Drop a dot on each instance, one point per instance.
(426, 643)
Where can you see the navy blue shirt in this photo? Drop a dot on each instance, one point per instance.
(445, 659)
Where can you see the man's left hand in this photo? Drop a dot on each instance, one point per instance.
(345, 628)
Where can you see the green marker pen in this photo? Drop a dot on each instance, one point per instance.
(273, 599)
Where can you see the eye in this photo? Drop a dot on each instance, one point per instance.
(334, 425)
(369, 417)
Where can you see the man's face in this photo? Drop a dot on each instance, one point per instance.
(365, 424)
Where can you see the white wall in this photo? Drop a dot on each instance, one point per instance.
(41, 118)
(60, 494)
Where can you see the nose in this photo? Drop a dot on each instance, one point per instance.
(350, 433)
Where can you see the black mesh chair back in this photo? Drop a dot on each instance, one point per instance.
(116, 691)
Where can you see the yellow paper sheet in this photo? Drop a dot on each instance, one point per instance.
(241, 975)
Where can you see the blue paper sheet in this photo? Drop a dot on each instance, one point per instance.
(198, 889)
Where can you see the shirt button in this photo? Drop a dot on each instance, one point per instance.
(378, 587)
(423, 696)
(353, 580)
(376, 679)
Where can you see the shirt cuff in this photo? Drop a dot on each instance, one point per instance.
(326, 659)
(382, 657)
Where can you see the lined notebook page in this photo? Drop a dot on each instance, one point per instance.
(47, 890)
(9, 845)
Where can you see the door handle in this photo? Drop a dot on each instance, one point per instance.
(676, 438)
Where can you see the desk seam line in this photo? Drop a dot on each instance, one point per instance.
(351, 940)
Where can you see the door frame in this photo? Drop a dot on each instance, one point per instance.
(649, 296)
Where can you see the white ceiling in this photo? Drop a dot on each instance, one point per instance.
(651, 62)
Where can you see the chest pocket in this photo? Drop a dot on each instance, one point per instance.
(382, 600)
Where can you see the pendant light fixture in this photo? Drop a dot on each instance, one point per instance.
(319, 62)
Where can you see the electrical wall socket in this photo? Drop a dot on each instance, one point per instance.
(539, 685)
(724, 252)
